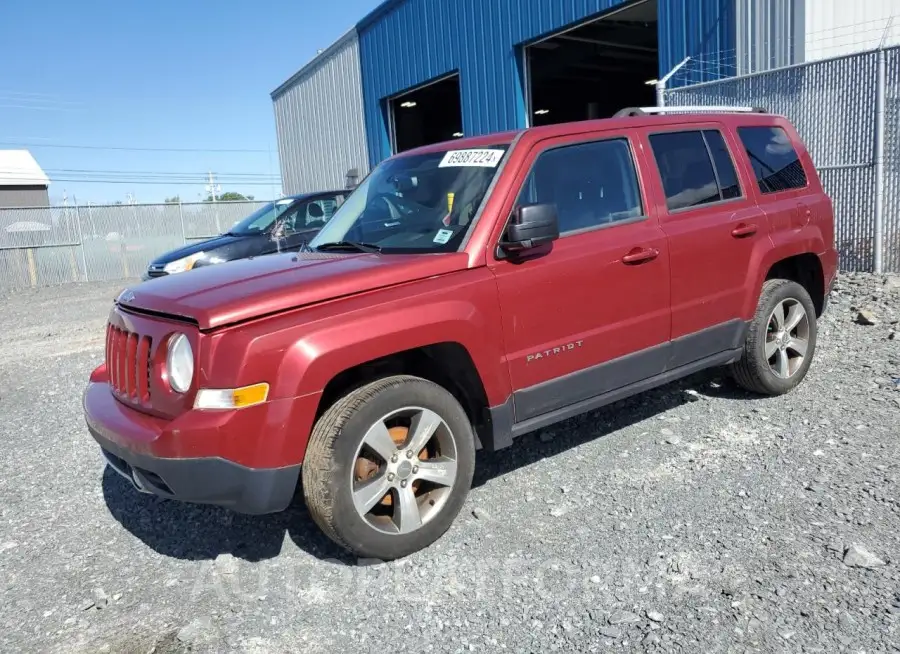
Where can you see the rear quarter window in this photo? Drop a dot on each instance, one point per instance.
(774, 160)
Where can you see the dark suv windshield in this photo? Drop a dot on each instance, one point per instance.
(292, 214)
(261, 219)
(416, 203)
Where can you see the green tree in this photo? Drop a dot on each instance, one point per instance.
(175, 199)
(230, 196)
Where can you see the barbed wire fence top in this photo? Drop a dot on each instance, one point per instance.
(44, 246)
(834, 103)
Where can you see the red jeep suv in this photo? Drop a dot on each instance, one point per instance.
(467, 293)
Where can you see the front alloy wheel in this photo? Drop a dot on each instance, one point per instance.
(388, 467)
(404, 470)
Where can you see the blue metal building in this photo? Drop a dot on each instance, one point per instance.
(490, 59)
(407, 43)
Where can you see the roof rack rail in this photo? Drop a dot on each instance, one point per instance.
(644, 111)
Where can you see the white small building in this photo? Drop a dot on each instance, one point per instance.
(22, 181)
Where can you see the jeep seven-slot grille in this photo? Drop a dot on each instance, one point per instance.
(128, 363)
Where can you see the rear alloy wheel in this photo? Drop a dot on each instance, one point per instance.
(787, 338)
(780, 341)
(389, 466)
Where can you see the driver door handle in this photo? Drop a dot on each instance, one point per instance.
(640, 255)
(744, 229)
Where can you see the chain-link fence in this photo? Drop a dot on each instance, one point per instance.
(846, 109)
(54, 245)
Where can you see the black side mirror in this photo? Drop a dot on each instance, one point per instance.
(532, 225)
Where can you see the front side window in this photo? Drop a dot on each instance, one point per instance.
(313, 214)
(775, 162)
(414, 203)
(591, 184)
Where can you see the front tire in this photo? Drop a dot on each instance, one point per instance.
(780, 342)
(389, 466)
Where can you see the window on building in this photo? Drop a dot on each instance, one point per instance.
(695, 168)
(775, 162)
(591, 184)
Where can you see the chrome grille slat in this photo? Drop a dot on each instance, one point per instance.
(128, 364)
(142, 368)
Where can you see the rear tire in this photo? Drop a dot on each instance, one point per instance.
(780, 342)
(389, 466)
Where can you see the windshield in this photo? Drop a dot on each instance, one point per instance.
(416, 203)
(261, 219)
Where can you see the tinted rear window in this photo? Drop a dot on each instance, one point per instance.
(775, 162)
(728, 179)
(695, 168)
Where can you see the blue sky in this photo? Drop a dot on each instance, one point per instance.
(158, 75)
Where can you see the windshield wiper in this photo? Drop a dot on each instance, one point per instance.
(349, 245)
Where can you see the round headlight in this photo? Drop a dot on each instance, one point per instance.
(180, 363)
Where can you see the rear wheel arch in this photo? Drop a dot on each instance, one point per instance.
(796, 264)
(806, 270)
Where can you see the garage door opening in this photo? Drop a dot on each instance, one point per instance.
(595, 69)
(426, 115)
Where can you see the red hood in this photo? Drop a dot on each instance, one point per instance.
(240, 290)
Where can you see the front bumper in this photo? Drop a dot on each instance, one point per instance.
(205, 481)
(154, 274)
(128, 439)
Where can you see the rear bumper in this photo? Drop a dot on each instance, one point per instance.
(829, 261)
(197, 457)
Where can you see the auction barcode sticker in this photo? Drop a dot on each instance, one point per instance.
(480, 158)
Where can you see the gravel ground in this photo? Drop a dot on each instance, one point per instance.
(691, 519)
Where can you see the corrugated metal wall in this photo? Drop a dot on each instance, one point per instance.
(838, 27)
(769, 34)
(701, 29)
(319, 121)
(24, 196)
(405, 43)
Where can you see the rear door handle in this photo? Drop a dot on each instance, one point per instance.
(640, 255)
(744, 230)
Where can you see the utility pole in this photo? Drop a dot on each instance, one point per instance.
(214, 188)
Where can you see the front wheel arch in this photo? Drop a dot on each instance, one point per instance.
(447, 364)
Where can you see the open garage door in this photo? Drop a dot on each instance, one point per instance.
(596, 68)
(428, 114)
